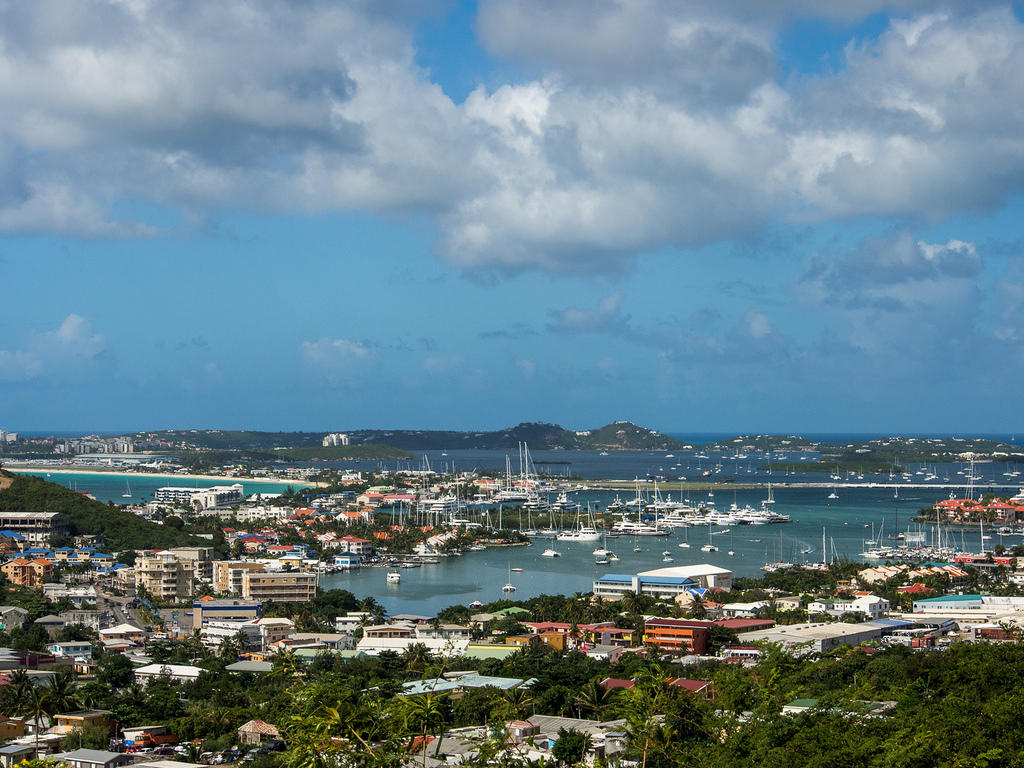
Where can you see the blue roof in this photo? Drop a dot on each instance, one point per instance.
(617, 577)
(892, 623)
(99, 554)
(11, 534)
(679, 581)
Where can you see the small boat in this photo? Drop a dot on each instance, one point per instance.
(602, 561)
(667, 559)
(476, 604)
(509, 587)
(515, 570)
(127, 490)
(833, 495)
(394, 577)
(550, 553)
(684, 545)
(709, 548)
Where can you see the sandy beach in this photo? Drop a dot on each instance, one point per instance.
(217, 478)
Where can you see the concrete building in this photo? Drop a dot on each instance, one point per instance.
(286, 587)
(205, 610)
(802, 638)
(664, 583)
(872, 606)
(27, 573)
(215, 497)
(197, 562)
(182, 673)
(227, 574)
(335, 439)
(92, 758)
(162, 575)
(36, 527)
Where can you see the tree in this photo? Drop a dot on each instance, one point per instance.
(60, 690)
(38, 707)
(423, 714)
(571, 746)
(594, 698)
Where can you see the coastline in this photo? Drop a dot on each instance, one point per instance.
(169, 476)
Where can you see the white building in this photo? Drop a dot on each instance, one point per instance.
(664, 583)
(217, 496)
(182, 673)
(872, 606)
(336, 439)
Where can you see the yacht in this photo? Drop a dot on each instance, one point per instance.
(394, 577)
(632, 528)
(549, 552)
(509, 587)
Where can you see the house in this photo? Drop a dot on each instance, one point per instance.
(256, 732)
(872, 606)
(52, 624)
(79, 650)
(80, 719)
(11, 617)
(92, 758)
(13, 754)
(127, 632)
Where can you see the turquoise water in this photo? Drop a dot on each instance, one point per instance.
(140, 489)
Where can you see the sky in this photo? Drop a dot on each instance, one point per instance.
(699, 216)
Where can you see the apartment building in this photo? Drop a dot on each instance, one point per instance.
(162, 575)
(197, 562)
(679, 636)
(25, 572)
(285, 587)
(35, 527)
(227, 574)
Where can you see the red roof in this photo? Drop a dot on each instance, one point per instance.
(616, 682)
(694, 686)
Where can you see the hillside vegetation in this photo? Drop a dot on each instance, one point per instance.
(117, 529)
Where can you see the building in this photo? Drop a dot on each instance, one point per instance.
(92, 758)
(182, 673)
(286, 587)
(215, 497)
(36, 527)
(257, 732)
(125, 632)
(67, 722)
(197, 562)
(678, 636)
(76, 650)
(664, 583)
(162, 576)
(227, 574)
(12, 616)
(27, 573)
(818, 637)
(872, 606)
(207, 609)
(335, 439)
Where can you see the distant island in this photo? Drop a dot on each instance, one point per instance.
(201, 447)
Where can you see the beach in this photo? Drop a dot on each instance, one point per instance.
(159, 475)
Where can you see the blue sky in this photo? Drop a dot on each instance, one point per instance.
(698, 216)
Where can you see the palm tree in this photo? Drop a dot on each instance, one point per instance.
(424, 712)
(38, 707)
(518, 700)
(61, 692)
(594, 697)
(16, 692)
(416, 657)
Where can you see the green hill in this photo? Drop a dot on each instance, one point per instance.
(116, 529)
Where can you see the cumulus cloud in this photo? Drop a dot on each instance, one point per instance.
(71, 348)
(892, 273)
(605, 318)
(639, 125)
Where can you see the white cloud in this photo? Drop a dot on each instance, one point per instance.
(640, 124)
(335, 352)
(69, 349)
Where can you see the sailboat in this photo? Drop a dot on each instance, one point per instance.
(833, 495)
(685, 543)
(509, 587)
(127, 490)
(709, 547)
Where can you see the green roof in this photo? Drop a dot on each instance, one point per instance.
(803, 703)
(489, 651)
(950, 598)
(308, 654)
(514, 610)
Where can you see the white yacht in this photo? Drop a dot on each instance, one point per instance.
(394, 577)
(549, 552)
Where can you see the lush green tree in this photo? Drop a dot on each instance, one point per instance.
(571, 746)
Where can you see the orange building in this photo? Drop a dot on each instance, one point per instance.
(27, 573)
(680, 636)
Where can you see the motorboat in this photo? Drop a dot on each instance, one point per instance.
(394, 577)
